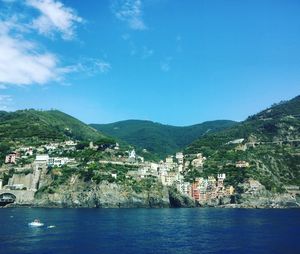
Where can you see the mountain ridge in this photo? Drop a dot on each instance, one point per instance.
(46, 124)
(159, 138)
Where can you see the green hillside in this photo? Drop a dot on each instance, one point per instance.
(43, 125)
(271, 144)
(159, 138)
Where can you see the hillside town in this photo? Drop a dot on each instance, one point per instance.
(31, 164)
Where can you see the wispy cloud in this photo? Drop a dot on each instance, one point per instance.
(165, 65)
(129, 11)
(91, 66)
(54, 17)
(21, 61)
(103, 66)
(5, 102)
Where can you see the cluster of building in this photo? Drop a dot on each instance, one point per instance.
(28, 177)
(25, 152)
(204, 189)
(45, 159)
(170, 172)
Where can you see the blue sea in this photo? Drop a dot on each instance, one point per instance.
(150, 231)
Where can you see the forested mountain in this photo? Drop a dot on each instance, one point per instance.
(159, 138)
(43, 125)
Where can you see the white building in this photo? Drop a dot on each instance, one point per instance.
(221, 176)
(92, 146)
(132, 154)
(59, 161)
(169, 160)
(117, 147)
(179, 156)
(236, 141)
(70, 143)
(56, 161)
(42, 159)
(154, 167)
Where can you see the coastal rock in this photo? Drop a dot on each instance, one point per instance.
(217, 202)
(255, 195)
(104, 195)
(179, 200)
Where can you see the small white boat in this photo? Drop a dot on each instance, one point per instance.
(36, 223)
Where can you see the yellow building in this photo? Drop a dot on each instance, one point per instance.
(230, 190)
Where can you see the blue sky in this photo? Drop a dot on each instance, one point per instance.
(170, 61)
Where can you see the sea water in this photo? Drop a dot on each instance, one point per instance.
(150, 231)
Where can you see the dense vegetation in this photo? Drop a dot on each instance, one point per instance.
(43, 125)
(158, 138)
(271, 146)
(33, 127)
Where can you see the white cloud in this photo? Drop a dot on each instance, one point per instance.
(5, 101)
(54, 17)
(130, 11)
(21, 63)
(24, 61)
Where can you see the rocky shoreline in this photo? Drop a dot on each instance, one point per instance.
(113, 196)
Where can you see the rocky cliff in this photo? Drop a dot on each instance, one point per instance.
(103, 195)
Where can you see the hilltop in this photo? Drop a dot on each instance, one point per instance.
(158, 138)
(35, 126)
